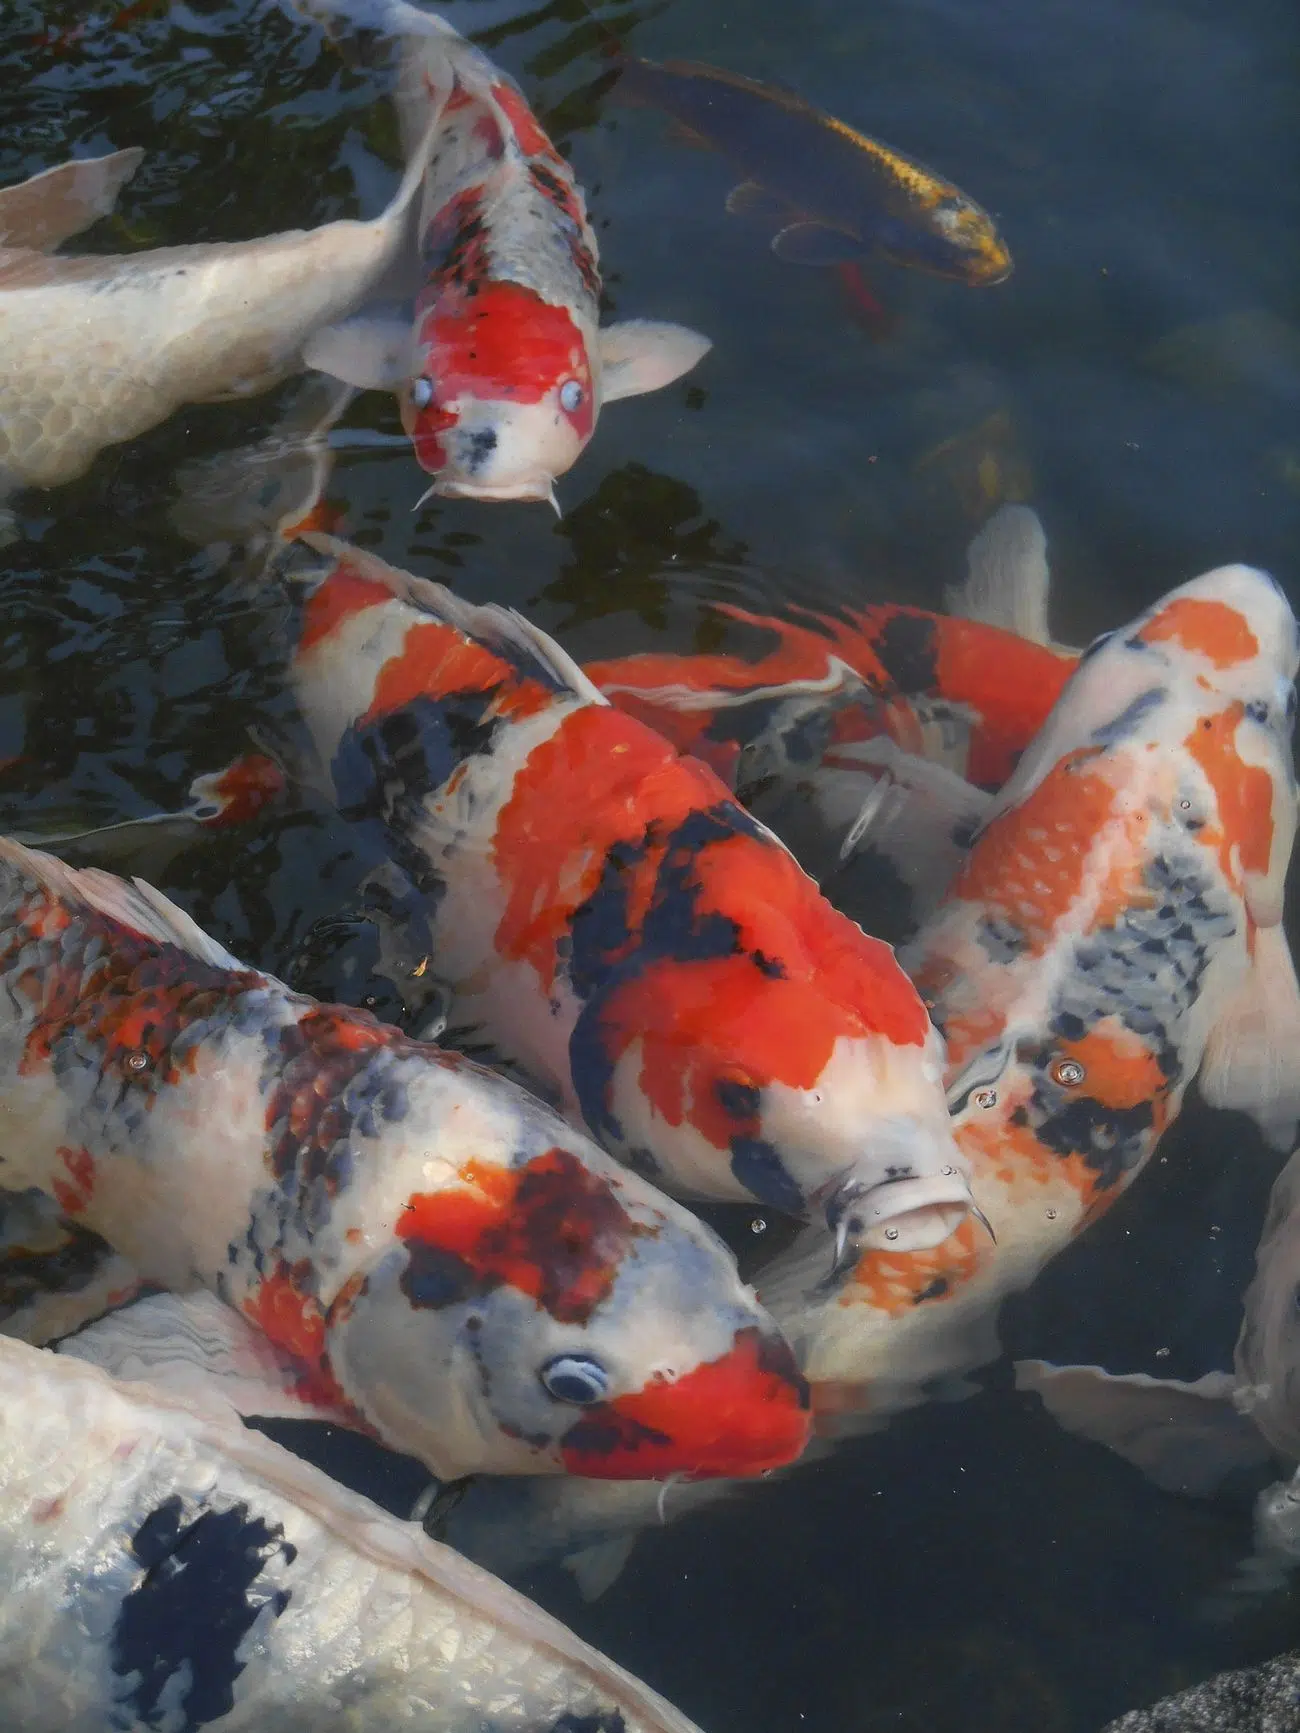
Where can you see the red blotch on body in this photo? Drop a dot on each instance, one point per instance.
(343, 594)
(241, 791)
(523, 123)
(287, 1312)
(552, 1229)
(74, 1193)
(1211, 629)
(739, 1415)
(1243, 792)
(437, 660)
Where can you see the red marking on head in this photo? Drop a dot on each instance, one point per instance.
(73, 1194)
(438, 660)
(740, 1415)
(1244, 793)
(552, 1229)
(343, 593)
(1211, 629)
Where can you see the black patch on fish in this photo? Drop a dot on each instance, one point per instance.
(434, 1278)
(193, 1607)
(906, 646)
(1121, 726)
(1112, 1140)
(604, 1721)
(1000, 939)
(756, 1164)
(66, 1268)
(934, 1291)
(475, 448)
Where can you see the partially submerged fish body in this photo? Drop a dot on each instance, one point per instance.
(399, 1239)
(504, 373)
(162, 1564)
(95, 350)
(1187, 1436)
(610, 919)
(831, 192)
(1113, 933)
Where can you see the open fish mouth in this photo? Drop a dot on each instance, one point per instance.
(448, 487)
(908, 1214)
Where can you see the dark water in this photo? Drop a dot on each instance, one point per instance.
(973, 1568)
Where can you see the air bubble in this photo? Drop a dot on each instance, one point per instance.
(891, 1233)
(1051, 1215)
(985, 1098)
(1068, 1073)
(758, 1226)
(137, 1062)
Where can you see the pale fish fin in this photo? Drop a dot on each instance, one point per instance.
(754, 204)
(198, 1350)
(1184, 1437)
(1252, 1058)
(368, 353)
(916, 815)
(597, 1568)
(269, 488)
(490, 623)
(1007, 575)
(809, 243)
(640, 355)
(46, 210)
(136, 905)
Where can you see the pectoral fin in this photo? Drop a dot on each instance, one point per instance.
(808, 243)
(194, 1348)
(1184, 1437)
(369, 353)
(597, 1568)
(1252, 1058)
(46, 210)
(640, 355)
(754, 204)
(1007, 575)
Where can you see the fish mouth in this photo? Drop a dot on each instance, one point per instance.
(447, 487)
(733, 1417)
(911, 1213)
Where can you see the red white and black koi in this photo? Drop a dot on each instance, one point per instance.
(505, 371)
(430, 1253)
(609, 918)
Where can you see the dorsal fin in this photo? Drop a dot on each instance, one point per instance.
(44, 211)
(1007, 575)
(136, 905)
(488, 623)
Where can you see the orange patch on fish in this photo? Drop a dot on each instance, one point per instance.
(1119, 1068)
(1244, 792)
(896, 1282)
(1041, 864)
(344, 593)
(290, 1316)
(1009, 683)
(74, 1193)
(436, 660)
(1211, 629)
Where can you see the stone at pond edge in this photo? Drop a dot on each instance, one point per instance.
(1263, 1699)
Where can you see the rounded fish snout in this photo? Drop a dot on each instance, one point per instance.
(736, 1416)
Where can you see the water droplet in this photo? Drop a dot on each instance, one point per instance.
(758, 1226)
(985, 1097)
(1051, 1215)
(891, 1233)
(1068, 1073)
(137, 1062)
(947, 1172)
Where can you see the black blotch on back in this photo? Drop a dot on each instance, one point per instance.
(606, 1721)
(906, 646)
(193, 1608)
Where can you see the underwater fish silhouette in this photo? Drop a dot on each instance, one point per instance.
(608, 918)
(831, 194)
(162, 1564)
(97, 349)
(504, 371)
(1188, 1436)
(1114, 932)
(394, 1237)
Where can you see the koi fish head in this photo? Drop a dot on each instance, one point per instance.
(504, 400)
(561, 1317)
(948, 235)
(1268, 1350)
(814, 1109)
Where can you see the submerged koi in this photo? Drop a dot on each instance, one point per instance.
(505, 370)
(1114, 933)
(830, 194)
(418, 1247)
(162, 1564)
(97, 349)
(610, 919)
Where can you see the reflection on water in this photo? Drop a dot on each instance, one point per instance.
(1138, 378)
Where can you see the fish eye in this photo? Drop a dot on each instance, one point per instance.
(1258, 710)
(422, 392)
(571, 396)
(575, 1378)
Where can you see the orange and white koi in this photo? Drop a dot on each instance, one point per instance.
(610, 919)
(1114, 932)
(505, 370)
(379, 1231)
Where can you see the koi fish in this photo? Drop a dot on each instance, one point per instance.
(98, 349)
(831, 194)
(162, 1564)
(387, 1234)
(1187, 1437)
(611, 920)
(504, 372)
(1114, 932)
